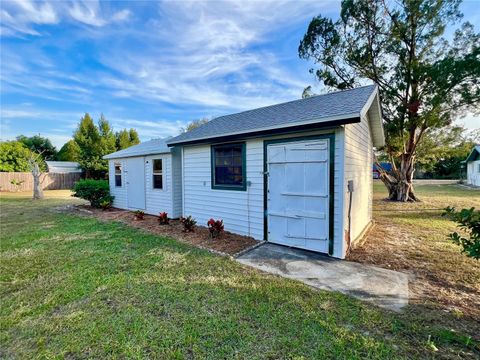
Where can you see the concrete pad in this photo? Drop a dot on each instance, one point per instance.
(385, 288)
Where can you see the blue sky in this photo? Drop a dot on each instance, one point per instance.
(151, 66)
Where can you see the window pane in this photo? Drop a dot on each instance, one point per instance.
(118, 168)
(118, 180)
(157, 165)
(228, 162)
(157, 182)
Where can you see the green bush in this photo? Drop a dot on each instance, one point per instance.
(95, 191)
(469, 221)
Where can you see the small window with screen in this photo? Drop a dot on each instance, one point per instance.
(118, 174)
(157, 174)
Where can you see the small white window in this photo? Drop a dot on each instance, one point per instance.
(157, 174)
(118, 174)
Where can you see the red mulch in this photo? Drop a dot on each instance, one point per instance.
(227, 242)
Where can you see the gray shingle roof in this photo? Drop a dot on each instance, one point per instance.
(316, 109)
(155, 146)
(473, 154)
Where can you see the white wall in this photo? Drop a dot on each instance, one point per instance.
(358, 168)
(176, 182)
(473, 173)
(242, 211)
(156, 200)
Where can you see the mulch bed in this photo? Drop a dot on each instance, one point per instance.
(227, 243)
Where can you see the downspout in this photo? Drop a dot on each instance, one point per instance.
(349, 231)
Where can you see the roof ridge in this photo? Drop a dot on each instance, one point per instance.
(292, 101)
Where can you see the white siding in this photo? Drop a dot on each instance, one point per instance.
(168, 199)
(176, 182)
(242, 211)
(120, 193)
(158, 200)
(358, 168)
(473, 173)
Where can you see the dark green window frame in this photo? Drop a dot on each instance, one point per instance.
(243, 185)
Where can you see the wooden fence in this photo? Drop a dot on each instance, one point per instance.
(50, 181)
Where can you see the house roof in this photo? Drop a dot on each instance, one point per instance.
(336, 108)
(152, 147)
(63, 166)
(474, 154)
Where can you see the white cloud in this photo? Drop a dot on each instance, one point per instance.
(20, 17)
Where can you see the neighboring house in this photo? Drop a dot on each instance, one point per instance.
(473, 167)
(297, 173)
(62, 167)
(147, 177)
(385, 166)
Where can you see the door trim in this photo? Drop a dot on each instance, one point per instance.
(331, 143)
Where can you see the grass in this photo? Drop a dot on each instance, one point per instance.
(74, 287)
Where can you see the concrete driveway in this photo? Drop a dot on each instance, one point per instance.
(385, 288)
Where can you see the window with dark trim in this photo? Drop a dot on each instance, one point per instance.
(157, 173)
(118, 174)
(229, 166)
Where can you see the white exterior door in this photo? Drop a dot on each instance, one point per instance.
(298, 194)
(135, 176)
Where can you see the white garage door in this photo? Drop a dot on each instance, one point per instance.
(298, 194)
(136, 183)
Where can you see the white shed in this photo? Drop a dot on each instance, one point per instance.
(147, 177)
(296, 174)
(473, 167)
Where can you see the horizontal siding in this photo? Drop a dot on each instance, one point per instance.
(242, 211)
(358, 168)
(176, 183)
(159, 200)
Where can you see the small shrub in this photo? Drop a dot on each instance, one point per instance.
(91, 190)
(215, 227)
(163, 218)
(188, 223)
(106, 202)
(17, 183)
(469, 221)
(139, 214)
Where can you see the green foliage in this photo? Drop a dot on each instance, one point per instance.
(107, 202)
(40, 145)
(126, 138)
(95, 191)
(441, 152)
(94, 142)
(469, 222)
(70, 151)
(194, 124)
(424, 79)
(188, 223)
(14, 156)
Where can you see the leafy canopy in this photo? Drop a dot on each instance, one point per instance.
(425, 80)
(126, 138)
(70, 151)
(40, 145)
(14, 156)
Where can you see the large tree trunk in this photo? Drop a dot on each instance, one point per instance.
(37, 184)
(399, 181)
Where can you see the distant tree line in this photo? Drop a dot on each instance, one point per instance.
(89, 144)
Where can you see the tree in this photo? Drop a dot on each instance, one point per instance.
(194, 124)
(442, 151)
(469, 221)
(70, 151)
(34, 163)
(39, 144)
(14, 156)
(94, 142)
(424, 80)
(126, 138)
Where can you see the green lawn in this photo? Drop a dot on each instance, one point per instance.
(73, 287)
